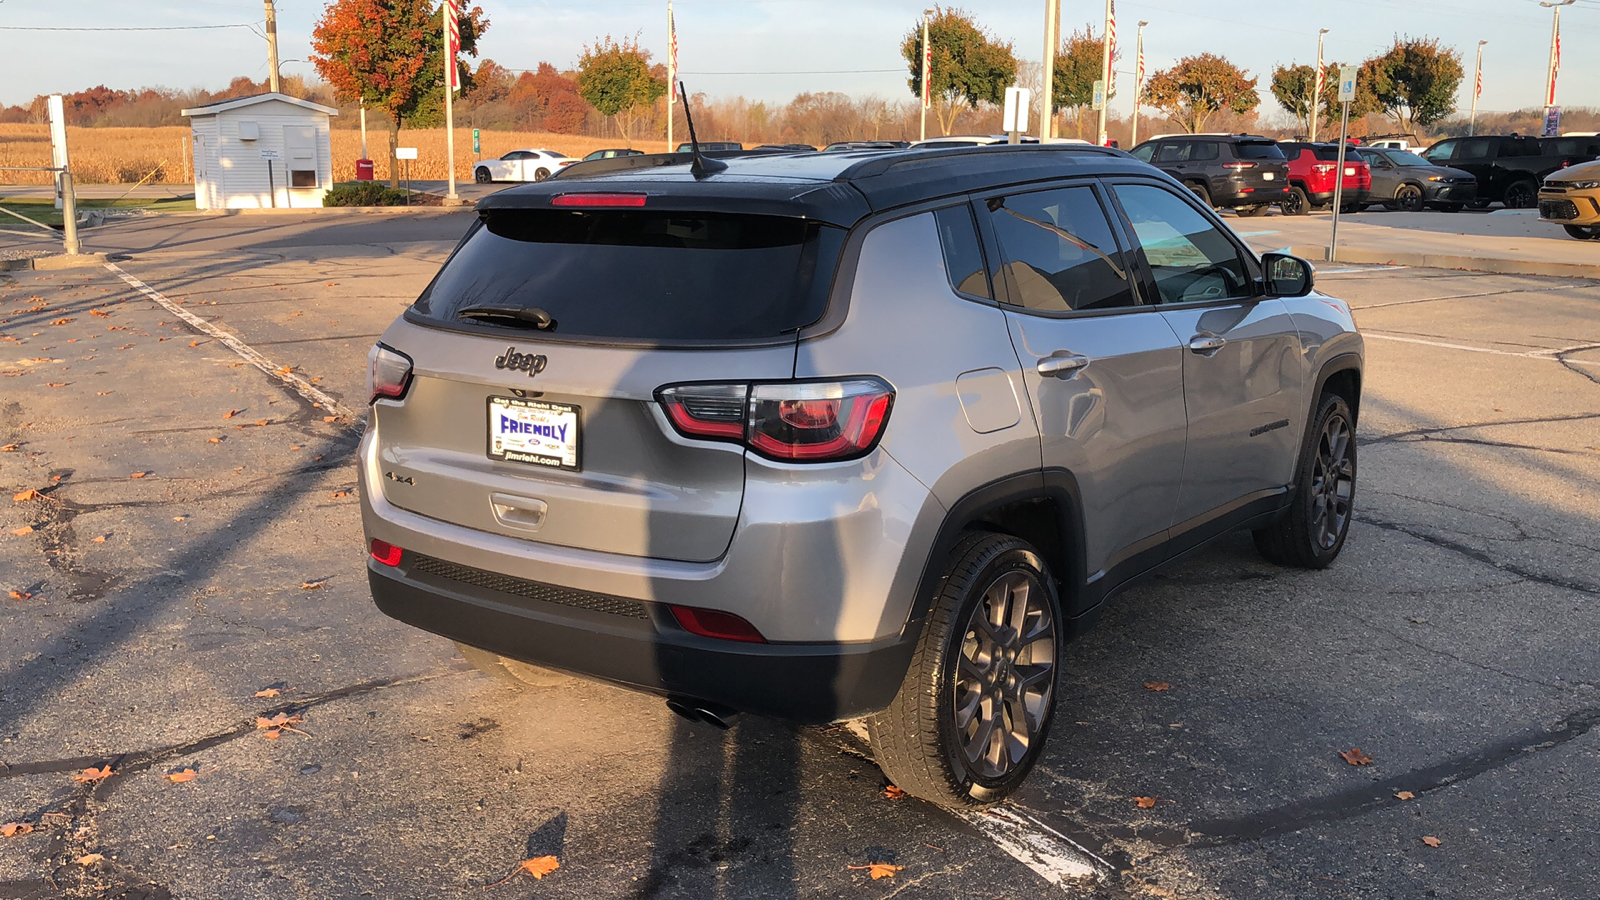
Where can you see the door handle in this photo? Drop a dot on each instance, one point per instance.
(1206, 344)
(1061, 366)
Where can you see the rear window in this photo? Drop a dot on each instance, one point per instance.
(1258, 150)
(1329, 154)
(1573, 146)
(641, 275)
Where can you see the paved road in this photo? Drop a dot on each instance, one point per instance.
(1451, 642)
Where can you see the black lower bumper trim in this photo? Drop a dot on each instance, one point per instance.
(807, 683)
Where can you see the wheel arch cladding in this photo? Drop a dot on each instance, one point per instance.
(1343, 377)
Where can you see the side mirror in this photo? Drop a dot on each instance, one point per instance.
(1286, 276)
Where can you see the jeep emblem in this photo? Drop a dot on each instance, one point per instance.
(532, 363)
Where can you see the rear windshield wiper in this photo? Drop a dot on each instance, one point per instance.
(516, 316)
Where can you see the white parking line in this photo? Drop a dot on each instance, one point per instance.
(1548, 355)
(1050, 854)
(301, 386)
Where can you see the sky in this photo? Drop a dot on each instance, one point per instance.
(773, 49)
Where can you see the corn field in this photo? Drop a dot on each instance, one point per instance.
(128, 155)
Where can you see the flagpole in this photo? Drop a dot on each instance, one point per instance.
(1555, 49)
(447, 13)
(1316, 90)
(1138, 82)
(672, 71)
(1105, 69)
(1047, 123)
(1477, 91)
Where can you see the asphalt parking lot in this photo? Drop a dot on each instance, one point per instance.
(192, 561)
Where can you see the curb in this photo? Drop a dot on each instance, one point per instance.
(357, 210)
(1357, 256)
(49, 263)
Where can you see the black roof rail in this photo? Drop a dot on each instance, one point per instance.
(881, 165)
(655, 160)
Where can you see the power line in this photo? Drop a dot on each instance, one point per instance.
(250, 25)
(805, 72)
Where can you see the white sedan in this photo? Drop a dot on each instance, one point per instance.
(521, 165)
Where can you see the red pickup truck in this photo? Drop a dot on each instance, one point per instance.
(1311, 177)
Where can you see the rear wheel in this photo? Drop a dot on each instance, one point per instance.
(541, 175)
(1480, 204)
(1298, 203)
(1584, 232)
(1521, 195)
(481, 176)
(516, 673)
(1348, 208)
(1408, 198)
(1311, 535)
(1200, 191)
(973, 712)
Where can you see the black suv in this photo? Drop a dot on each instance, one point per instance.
(1510, 167)
(1242, 172)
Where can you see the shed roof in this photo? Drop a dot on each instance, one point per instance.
(238, 102)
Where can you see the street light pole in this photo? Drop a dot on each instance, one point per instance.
(1316, 90)
(1138, 85)
(1477, 88)
(927, 73)
(1105, 72)
(447, 10)
(1052, 16)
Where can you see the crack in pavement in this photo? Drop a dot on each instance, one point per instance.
(1480, 556)
(1520, 290)
(1401, 436)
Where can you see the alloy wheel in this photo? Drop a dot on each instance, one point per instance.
(1333, 482)
(1005, 674)
(1409, 198)
(1520, 196)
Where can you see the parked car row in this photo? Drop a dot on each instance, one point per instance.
(1509, 168)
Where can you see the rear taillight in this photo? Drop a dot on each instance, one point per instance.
(388, 373)
(1324, 168)
(386, 553)
(713, 624)
(806, 421)
(1239, 165)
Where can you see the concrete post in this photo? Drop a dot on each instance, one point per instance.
(69, 216)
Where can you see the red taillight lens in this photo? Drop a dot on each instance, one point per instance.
(597, 200)
(818, 421)
(388, 373)
(1324, 168)
(807, 421)
(713, 624)
(386, 553)
(1239, 165)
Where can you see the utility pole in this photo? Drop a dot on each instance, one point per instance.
(272, 46)
(1316, 90)
(1555, 49)
(1105, 69)
(452, 36)
(927, 73)
(1052, 24)
(1138, 85)
(1477, 89)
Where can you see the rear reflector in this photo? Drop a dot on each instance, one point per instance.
(591, 200)
(386, 553)
(712, 624)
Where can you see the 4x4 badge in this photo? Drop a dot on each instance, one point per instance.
(532, 363)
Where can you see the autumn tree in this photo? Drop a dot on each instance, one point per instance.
(1198, 87)
(1415, 82)
(389, 54)
(615, 78)
(1293, 86)
(969, 66)
(1078, 67)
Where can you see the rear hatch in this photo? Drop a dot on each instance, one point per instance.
(537, 353)
(1260, 165)
(1357, 171)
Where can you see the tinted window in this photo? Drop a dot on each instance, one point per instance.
(642, 274)
(1439, 152)
(1144, 152)
(1203, 150)
(1059, 251)
(1190, 257)
(1572, 147)
(1519, 147)
(963, 258)
(1476, 148)
(1257, 150)
(1170, 153)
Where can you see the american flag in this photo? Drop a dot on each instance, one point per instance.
(1480, 84)
(452, 18)
(672, 57)
(1139, 78)
(1317, 91)
(1111, 28)
(1555, 66)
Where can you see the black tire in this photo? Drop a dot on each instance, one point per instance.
(1451, 207)
(1312, 532)
(481, 176)
(1200, 191)
(1250, 212)
(1408, 197)
(541, 174)
(1480, 204)
(519, 675)
(1298, 203)
(919, 741)
(1521, 195)
(1584, 232)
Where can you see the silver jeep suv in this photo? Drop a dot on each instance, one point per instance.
(861, 434)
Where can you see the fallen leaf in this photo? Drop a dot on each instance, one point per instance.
(337, 494)
(268, 692)
(12, 829)
(312, 585)
(194, 343)
(330, 418)
(181, 775)
(138, 474)
(1405, 795)
(218, 440)
(9, 448)
(284, 370)
(99, 539)
(1355, 757)
(893, 793)
(230, 413)
(19, 595)
(89, 859)
(878, 870)
(63, 321)
(1145, 802)
(1431, 841)
(88, 776)
(538, 867)
(25, 496)
(1156, 686)
(261, 422)
(19, 532)
(100, 313)
(55, 384)
(274, 726)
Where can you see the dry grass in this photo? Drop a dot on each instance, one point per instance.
(125, 155)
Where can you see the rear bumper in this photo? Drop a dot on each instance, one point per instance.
(1236, 195)
(645, 650)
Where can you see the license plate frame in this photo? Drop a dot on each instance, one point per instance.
(548, 449)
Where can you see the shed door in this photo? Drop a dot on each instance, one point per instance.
(301, 143)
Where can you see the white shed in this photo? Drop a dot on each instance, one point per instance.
(269, 150)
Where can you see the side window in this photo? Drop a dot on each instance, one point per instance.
(1059, 251)
(1203, 151)
(1439, 152)
(1144, 152)
(1190, 257)
(963, 256)
(1175, 152)
(1476, 148)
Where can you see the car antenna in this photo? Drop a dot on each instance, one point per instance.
(700, 167)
